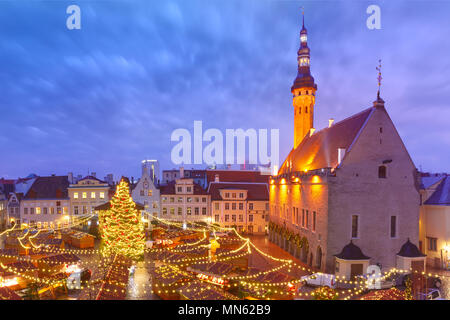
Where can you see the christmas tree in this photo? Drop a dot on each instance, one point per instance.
(122, 230)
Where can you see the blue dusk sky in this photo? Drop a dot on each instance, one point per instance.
(109, 95)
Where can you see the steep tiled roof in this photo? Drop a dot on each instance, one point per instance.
(53, 187)
(255, 191)
(236, 176)
(441, 196)
(321, 149)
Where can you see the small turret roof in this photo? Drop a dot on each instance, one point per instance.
(410, 250)
(352, 252)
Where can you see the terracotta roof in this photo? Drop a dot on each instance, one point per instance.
(321, 149)
(352, 252)
(255, 191)
(7, 181)
(410, 250)
(53, 187)
(441, 196)
(236, 176)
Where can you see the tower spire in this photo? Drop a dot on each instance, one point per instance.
(379, 78)
(303, 14)
(379, 101)
(303, 89)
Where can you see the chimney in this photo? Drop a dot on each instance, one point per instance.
(70, 177)
(94, 174)
(216, 178)
(330, 122)
(341, 154)
(311, 131)
(181, 172)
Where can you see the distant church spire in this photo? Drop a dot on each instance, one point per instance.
(379, 78)
(303, 90)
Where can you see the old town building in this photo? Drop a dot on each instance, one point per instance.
(146, 193)
(184, 201)
(47, 203)
(352, 181)
(240, 205)
(86, 194)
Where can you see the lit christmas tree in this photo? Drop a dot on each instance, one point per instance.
(122, 230)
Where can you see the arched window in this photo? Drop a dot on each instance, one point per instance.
(306, 109)
(382, 172)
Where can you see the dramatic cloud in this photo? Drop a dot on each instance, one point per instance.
(109, 95)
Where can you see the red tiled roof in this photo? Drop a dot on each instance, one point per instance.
(236, 176)
(321, 149)
(255, 191)
(53, 187)
(7, 181)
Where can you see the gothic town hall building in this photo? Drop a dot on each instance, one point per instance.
(346, 196)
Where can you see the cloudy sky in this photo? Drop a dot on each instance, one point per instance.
(109, 95)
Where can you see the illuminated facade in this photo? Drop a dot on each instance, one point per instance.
(184, 201)
(47, 203)
(353, 180)
(242, 205)
(88, 193)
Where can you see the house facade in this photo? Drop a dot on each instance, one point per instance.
(184, 201)
(47, 203)
(240, 205)
(85, 195)
(146, 193)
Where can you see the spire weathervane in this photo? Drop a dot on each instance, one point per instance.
(379, 78)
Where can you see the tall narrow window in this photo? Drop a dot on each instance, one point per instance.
(307, 219)
(393, 226)
(303, 218)
(382, 172)
(355, 226)
(314, 221)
